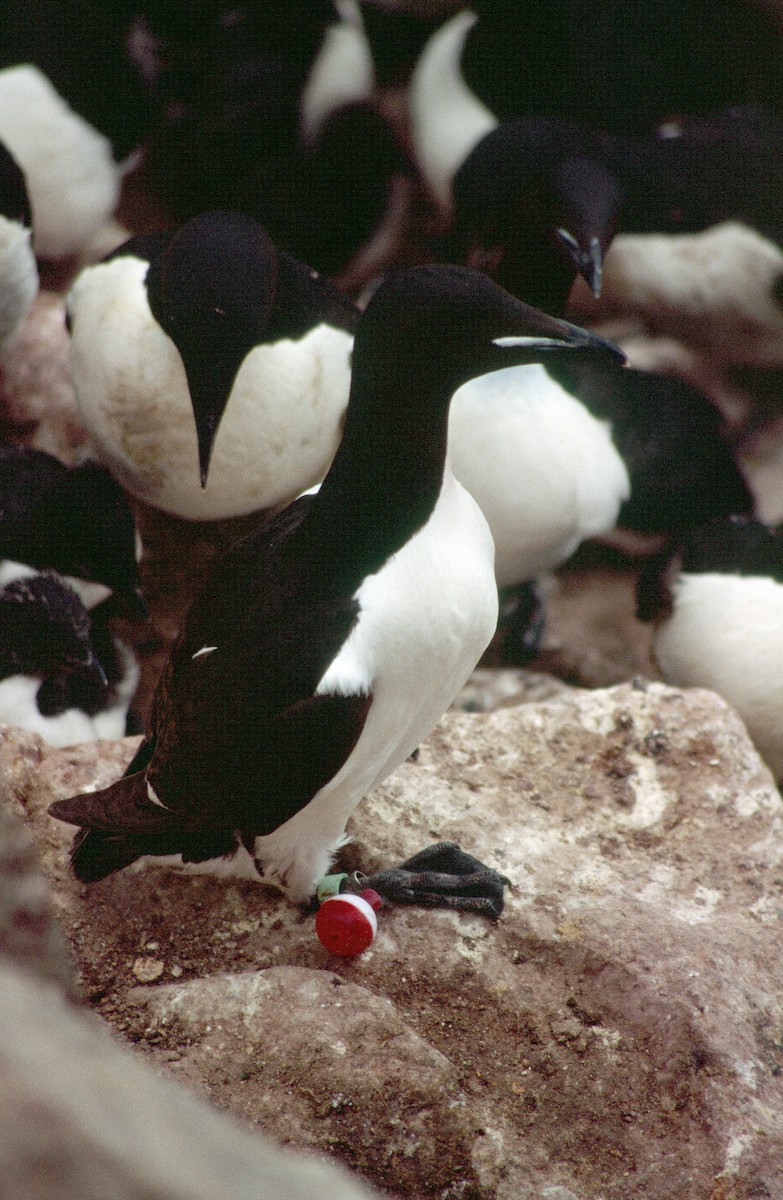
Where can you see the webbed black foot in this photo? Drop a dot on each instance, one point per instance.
(442, 876)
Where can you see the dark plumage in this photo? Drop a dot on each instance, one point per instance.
(14, 200)
(52, 680)
(535, 205)
(72, 520)
(670, 436)
(622, 65)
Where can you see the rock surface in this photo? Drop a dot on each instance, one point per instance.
(82, 1119)
(617, 1033)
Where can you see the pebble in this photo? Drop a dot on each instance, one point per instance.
(147, 969)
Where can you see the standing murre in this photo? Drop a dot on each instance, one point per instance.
(213, 323)
(715, 598)
(52, 680)
(322, 649)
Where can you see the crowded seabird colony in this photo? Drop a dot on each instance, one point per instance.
(396, 308)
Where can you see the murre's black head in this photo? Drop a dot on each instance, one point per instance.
(589, 197)
(14, 200)
(442, 325)
(75, 521)
(535, 205)
(211, 289)
(45, 630)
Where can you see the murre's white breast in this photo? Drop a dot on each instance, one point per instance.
(447, 118)
(70, 174)
(279, 432)
(543, 470)
(18, 279)
(726, 634)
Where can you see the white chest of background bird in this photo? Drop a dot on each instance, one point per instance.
(278, 395)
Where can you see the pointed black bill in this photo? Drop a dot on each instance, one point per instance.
(210, 381)
(589, 262)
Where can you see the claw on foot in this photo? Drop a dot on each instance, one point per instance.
(442, 876)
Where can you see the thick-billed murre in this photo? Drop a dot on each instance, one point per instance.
(211, 322)
(322, 649)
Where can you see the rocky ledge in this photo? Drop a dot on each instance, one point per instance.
(618, 1033)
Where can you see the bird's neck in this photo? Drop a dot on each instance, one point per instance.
(385, 479)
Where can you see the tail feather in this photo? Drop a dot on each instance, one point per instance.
(123, 807)
(118, 825)
(96, 854)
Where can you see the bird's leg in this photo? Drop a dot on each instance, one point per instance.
(522, 620)
(442, 876)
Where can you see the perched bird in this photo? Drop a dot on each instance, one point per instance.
(716, 600)
(71, 520)
(323, 648)
(212, 370)
(52, 681)
(574, 450)
(72, 179)
(558, 452)
(18, 269)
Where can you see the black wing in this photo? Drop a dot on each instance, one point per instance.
(237, 724)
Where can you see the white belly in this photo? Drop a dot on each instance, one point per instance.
(542, 469)
(726, 634)
(279, 432)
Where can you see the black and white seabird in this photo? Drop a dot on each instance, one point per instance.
(574, 449)
(213, 323)
(697, 214)
(323, 648)
(52, 680)
(716, 601)
(535, 222)
(18, 268)
(72, 520)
